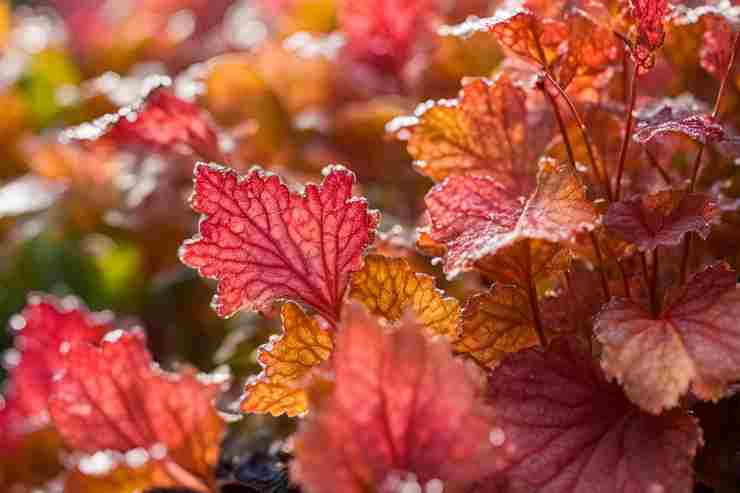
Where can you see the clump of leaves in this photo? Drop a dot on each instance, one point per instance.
(573, 332)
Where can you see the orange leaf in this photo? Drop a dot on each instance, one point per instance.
(303, 345)
(387, 286)
(490, 129)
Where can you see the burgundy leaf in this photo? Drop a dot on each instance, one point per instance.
(649, 15)
(263, 242)
(565, 429)
(680, 115)
(662, 218)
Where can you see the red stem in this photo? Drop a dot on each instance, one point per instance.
(646, 275)
(654, 300)
(563, 130)
(627, 133)
(533, 301)
(604, 281)
(584, 133)
(697, 162)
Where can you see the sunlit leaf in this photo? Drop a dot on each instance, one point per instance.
(489, 129)
(264, 242)
(388, 286)
(303, 345)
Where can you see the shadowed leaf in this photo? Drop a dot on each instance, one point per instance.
(692, 344)
(566, 430)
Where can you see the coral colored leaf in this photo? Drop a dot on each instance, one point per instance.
(43, 332)
(649, 16)
(384, 33)
(520, 30)
(692, 343)
(112, 397)
(487, 130)
(417, 407)
(661, 218)
(303, 345)
(388, 286)
(567, 430)
(497, 323)
(160, 120)
(263, 242)
(591, 48)
(475, 217)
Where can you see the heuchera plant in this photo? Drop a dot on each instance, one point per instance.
(580, 198)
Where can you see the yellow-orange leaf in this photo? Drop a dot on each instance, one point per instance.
(387, 286)
(303, 345)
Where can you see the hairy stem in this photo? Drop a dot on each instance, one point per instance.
(533, 300)
(627, 133)
(646, 276)
(625, 281)
(563, 130)
(602, 271)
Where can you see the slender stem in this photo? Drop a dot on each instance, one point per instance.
(697, 162)
(586, 136)
(563, 129)
(184, 478)
(604, 280)
(654, 300)
(646, 274)
(626, 283)
(727, 76)
(655, 164)
(627, 133)
(533, 301)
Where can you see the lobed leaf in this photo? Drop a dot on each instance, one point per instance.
(496, 323)
(388, 286)
(112, 397)
(662, 218)
(385, 34)
(418, 408)
(692, 343)
(263, 242)
(286, 360)
(592, 48)
(522, 31)
(564, 429)
(677, 115)
(43, 332)
(476, 218)
(649, 16)
(489, 130)
(159, 120)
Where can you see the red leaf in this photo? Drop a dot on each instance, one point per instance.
(417, 407)
(263, 242)
(475, 217)
(692, 343)
(680, 115)
(661, 218)
(160, 121)
(520, 30)
(491, 129)
(566, 430)
(43, 332)
(649, 15)
(113, 397)
(386, 33)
